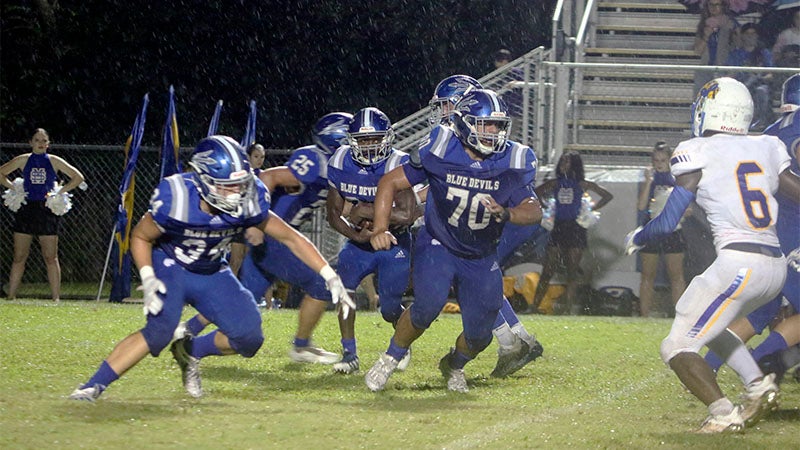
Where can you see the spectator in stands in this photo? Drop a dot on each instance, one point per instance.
(789, 36)
(751, 52)
(256, 155)
(715, 37)
(33, 218)
(568, 237)
(658, 184)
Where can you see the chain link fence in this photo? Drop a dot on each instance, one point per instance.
(87, 230)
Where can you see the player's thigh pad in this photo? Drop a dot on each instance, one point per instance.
(282, 264)
(735, 284)
(480, 295)
(251, 276)
(226, 303)
(159, 328)
(434, 270)
(355, 262)
(394, 270)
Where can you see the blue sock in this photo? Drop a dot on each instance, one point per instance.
(508, 313)
(204, 345)
(714, 361)
(349, 346)
(459, 360)
(773, 343)
(395, 351)
(301, 342)
(104, 376)
(499, 321)
(195, 326)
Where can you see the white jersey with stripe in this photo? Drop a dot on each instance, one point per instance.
(738, 184)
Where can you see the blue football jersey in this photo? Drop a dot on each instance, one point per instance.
(787, 129)
(193, 238)
(310, 166)
(454, 212)
(357, 183)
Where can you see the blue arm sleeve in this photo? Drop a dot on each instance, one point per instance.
(665, 223)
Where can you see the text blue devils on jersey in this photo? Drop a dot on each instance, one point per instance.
(356, 182)
(193, 238)
(454, 211)
(310, 166)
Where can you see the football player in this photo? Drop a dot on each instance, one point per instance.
(516, 347)
(353, 175)
(478, 181)
(734, 178)
(297, 189)
(178, 246)
(787, 333)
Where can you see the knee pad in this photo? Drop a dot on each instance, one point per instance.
(247, 344)
(478, 345)
(670, 349)
(157, 339)
(393, 313)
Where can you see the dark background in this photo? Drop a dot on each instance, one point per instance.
(80, 68)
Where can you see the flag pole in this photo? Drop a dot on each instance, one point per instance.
(108, 258)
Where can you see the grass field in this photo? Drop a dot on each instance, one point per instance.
(600, 384)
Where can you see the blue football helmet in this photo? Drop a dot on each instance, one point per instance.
(330, 131)
(478, 110)
(790, 98)
(370, 136)
(222, 174)
(448, 92)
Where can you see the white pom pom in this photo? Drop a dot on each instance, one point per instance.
(548, 217)
(59, 203)
(14, 197)
(587, 218)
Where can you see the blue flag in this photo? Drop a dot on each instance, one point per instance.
(250, 131)
(169, 149)
(121, 256)
(212, 127)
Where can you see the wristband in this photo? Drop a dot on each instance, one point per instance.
(146, 272)
(327, 273)
(505, 216)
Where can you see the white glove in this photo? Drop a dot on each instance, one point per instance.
(151, 286)
(338, 292)
(57, 202)
(630, 247)
(14, 197)
(793, 259)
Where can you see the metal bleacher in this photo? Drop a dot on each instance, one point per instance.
(621, 108)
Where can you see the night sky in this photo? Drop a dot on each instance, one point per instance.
(80, 68)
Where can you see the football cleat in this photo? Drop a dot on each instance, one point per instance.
(312, 354)
(88, 393)
(347, 365)
(510, 362)
(379, 374)
(190, 366)
(760, 399)
(456, 380)
(403, 364)
(728, 423)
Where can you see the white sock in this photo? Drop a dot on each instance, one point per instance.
(520, 331)
(505, 337)
(720, 407)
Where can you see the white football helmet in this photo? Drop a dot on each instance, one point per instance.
(723, 105)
